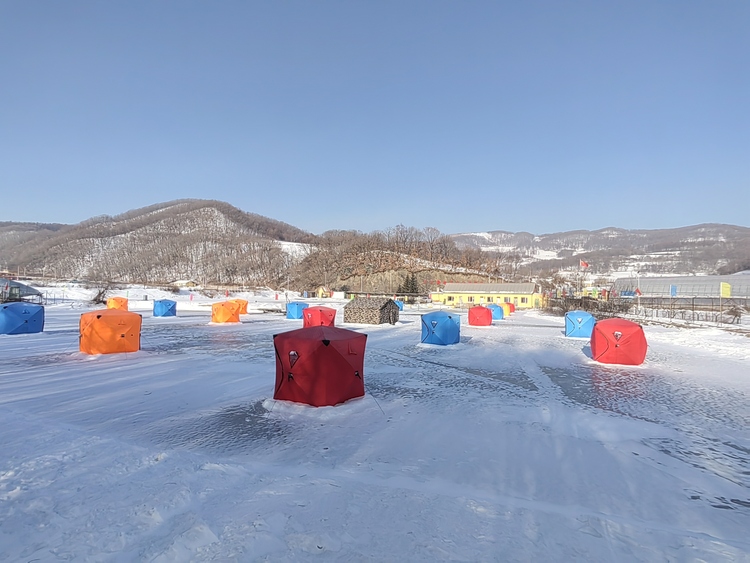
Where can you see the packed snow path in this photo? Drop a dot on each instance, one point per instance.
(511, 445)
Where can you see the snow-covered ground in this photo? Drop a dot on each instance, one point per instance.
(511, 445)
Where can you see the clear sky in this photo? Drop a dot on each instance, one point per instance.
(460, 115)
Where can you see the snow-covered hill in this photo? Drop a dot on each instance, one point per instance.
(705, 249)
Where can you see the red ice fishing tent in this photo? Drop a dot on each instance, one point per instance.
(225, 312)
(117, 303)
(618, 341)
(319, 366)
(480, 316)
(318, 316)
(110, 331)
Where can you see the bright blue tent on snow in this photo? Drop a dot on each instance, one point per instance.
(165, 308)
(399, 304)
(294, 309)
(21, 318)
(579, 323)
(441, 328)
(498, 313)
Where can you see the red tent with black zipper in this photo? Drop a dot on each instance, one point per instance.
(319, 366)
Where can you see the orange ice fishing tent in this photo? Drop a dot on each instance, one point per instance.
(225, 312)
(110, 331)
(242, 304)
(117, 303)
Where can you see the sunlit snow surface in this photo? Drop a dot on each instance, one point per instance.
(511, 445)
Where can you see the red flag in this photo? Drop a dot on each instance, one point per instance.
(638, 291)
(584, 264)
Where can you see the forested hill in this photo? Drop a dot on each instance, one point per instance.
(200, 239)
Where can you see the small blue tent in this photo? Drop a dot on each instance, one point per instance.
(441, 328)
(498, 313)
(399, 304)
(21, 318)
(579, 323)
(165, 308)
(294, 309)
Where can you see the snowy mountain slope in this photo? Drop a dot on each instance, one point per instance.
(184, 239)
(696, 249)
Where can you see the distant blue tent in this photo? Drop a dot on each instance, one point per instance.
(579, 324)
(441, 328)
(165, 308)
(498, 313)
(21, 318)
(399, 304)
(294, 309)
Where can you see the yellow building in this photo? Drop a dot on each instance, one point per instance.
(323, 291)
(522, 295)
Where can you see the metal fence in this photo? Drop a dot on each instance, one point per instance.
(689, 309)
(693, 309)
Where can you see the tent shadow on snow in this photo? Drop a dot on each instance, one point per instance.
(587, 351)
(230, 430)
(253, 427)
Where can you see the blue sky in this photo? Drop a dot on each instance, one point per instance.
(464, 116)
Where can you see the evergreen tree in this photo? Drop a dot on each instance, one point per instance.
(411, 285)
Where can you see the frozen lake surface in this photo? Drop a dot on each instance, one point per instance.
(511, 445)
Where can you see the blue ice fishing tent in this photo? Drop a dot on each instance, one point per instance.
(441, 328)
(294, 309)
(399, 304)
(498, 313)
(165, 308)
(579, 324)
(21, 318)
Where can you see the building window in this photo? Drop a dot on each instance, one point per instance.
(470, 299)
(524, 300)
(506, 299)
(450, 298)
(489, 299)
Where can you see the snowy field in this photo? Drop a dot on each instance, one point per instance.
(511, 445)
